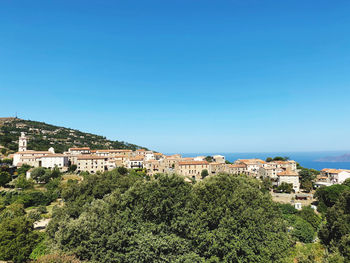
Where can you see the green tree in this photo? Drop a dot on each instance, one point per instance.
(309, 215)
(17, 238)
(267, 184)
(336, 232)
(5, 178)
(72, 168)
(221, 219)
(42, 175)
(307, 176)
(57, 258)
(287, 209)
(285, 187)
(204, 173)
(347, 182)
(231, 216)
(209, 159)
(38, 173)
(7, 160)
(301, 229)
(328, 196)
(23, 183)
(122, 170)
(307, 186)
(34, 215)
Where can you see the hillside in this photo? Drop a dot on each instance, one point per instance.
(340, 159)
(43, 136)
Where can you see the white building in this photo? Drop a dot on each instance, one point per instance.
(28, 157)
(79, 151)
(340, 177)
(53, 160)
(135, 162)
(290, 177)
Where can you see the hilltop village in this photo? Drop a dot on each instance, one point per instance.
(81, 199)
(192, 168)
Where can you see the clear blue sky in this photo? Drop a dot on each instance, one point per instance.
(182, 75)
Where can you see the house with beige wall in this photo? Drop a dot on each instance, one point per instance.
(154, 166)
(192, 169)
(236, 168)
(219, 158)
(253, 165)
(92, 164)
(290, 177)
(216, 168)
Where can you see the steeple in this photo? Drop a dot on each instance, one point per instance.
(22, 142)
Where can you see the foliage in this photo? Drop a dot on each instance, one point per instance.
(5, 178)
(12, 211)
(43, 175)
(267, 184)
(336, 232)
(287, 209)
(40, 250)
(34, 215)
(123, 218)
(122, 170)
(328, 196)
(301, 230)
(72, 168)
(17, 238)
(204, 173)
(58, 137)
(307, 176)
(23, 169)
(23, 183)
(309, 215)
(57, 258)
(307, 253)
(27, 198)
(209, 159)
(285, 187)
(306, 185)
(277, 158)
(38, 173)
(6, 160)
(347, 182)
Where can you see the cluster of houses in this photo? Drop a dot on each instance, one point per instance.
(329, 177)
(94, 161)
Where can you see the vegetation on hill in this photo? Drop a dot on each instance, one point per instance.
(42, 136)
(221, 219)
(126, 216)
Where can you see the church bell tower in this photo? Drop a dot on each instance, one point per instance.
(22, 142)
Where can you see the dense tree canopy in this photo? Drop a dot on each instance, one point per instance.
(5, 178)
(17, 238)
(328, 196)
(336, 232)
(221, 219)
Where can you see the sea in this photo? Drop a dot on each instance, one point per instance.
(305, 159)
